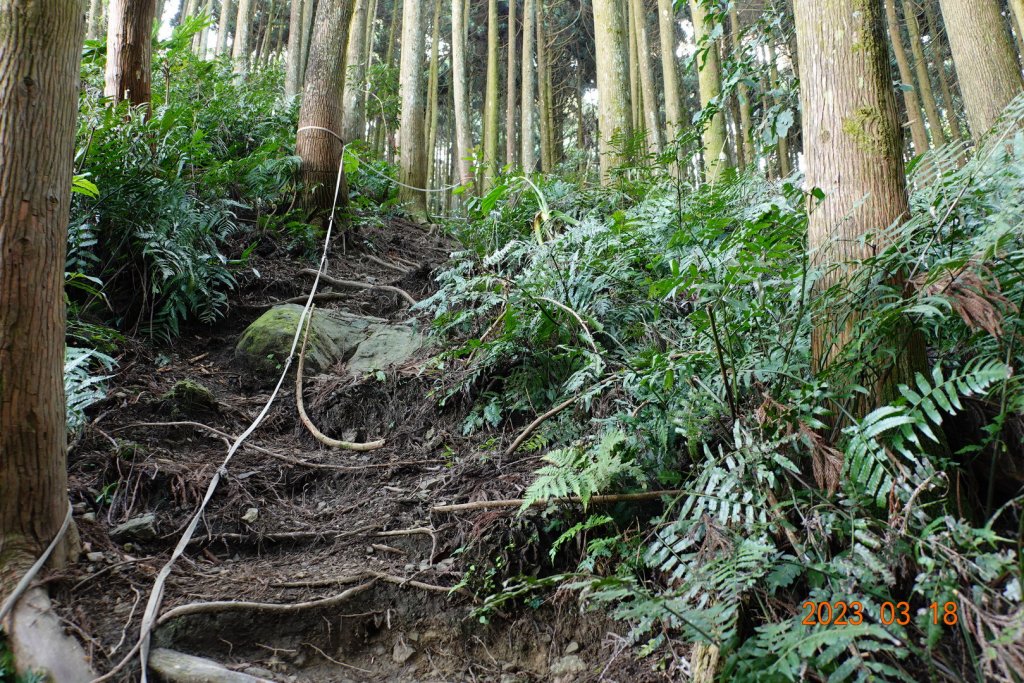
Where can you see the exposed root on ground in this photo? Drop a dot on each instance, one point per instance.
(352, 284)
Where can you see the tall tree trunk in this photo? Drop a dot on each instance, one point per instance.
(746, 128)
(130, 51)
(652, 119)
(241, 47)
(854, 153)
(511, 90)
(924, 82)
(463, 134)
(413, 163)
(491, 98)
(199, 40)
(294, 60)
(320, 150)
(782, 144)
(95, 18)
(40, 45)
(354, 112)
(308, 11)
(264, 52)
(938, 45)
(670, 75)
(526, 103)
(710, 81)
(433, 88)
(635, 86)
(1017, 10)
(614, 117)
(226, 12)
(544, 91)
(915, 120)
(985, 64)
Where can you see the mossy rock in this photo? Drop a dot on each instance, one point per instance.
(188, 397)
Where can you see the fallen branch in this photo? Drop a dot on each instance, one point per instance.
(320, 436)
(271, 607)
(594, 500)
(387, 264)
(530, 428)
(352, 284)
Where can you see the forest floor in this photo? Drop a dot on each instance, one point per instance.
(297, 522)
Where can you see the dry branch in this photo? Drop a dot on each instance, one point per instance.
(518, 502)
(537, 423)
(273, 608)
(352, 284)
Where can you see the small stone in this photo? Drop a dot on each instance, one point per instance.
(402, 652)
(572, 647)
(251, 515)
(79, 508)
(89, 517)
(568, 666)
(95, 557)
(129, 547)
(142, 528)
(414, 637)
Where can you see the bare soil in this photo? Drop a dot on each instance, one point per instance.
(316, 532)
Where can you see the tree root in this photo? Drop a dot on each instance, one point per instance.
(268, 607)
(37, 640)
(352, 284)
(320, 436)
(518, 502)
(387, 264)
(356, 578)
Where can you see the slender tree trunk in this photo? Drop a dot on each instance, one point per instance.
(511, 90)
(463, 134)
(354, 116)
(782, 145)
(308, 12)
(199, 40)
(1017, 10)
(635, 85)
(320, 150)
(854, 153)
(241, 48)
(433, 87)
(652, 119)
(710, 81)
(413, 162)
(526, 104)
(95, 18)
(613, 92)
(938, 46)
(294, 60)
(491, 98)
(670, 75)
(264, 53)
(226, 11)
(915, 120)
(544, 92)
(130, 51)
(985, 64)
(924, 81)
(40, 45)
(746, 128)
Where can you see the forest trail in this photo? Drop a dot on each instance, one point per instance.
(358, 524)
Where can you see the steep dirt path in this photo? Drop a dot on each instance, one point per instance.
(294, 523)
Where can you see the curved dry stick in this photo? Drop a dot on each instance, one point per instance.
(352, 284)
(320, 436)
(274, 608)
(530, 428)
(594, 500)
(586, 330)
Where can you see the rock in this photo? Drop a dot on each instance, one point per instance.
(572, 647)
(136, 529)
(89, 517)
(251, 515)
(402, 652)
(188, 397)
(334, 336)
(567, 667)
(95, 557)
(175, 667)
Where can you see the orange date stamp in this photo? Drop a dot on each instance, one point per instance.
(842, 613)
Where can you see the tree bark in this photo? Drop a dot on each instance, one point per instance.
(985, 64)
(413, 162)
(308, 12)
(669, 73)
(746, 128)
(544, 92)
(938, 45)
(924, 81)
(491, 98)
(433, 94)
(241, 47)
(354, 112)
(40, 45)
(294, 60)
(614, 117)
(854, 154)
(915, 120)
(463, 134)
(652, 118)
(527, 104)
(95, 18)
(129, 51)
(782, 144)
(511, 90)
(226, 11)
(319, 150)
(710, 81)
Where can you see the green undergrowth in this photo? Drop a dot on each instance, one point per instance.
(678, 322)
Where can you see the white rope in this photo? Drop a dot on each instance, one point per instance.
(156, 595)
(22, 586)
